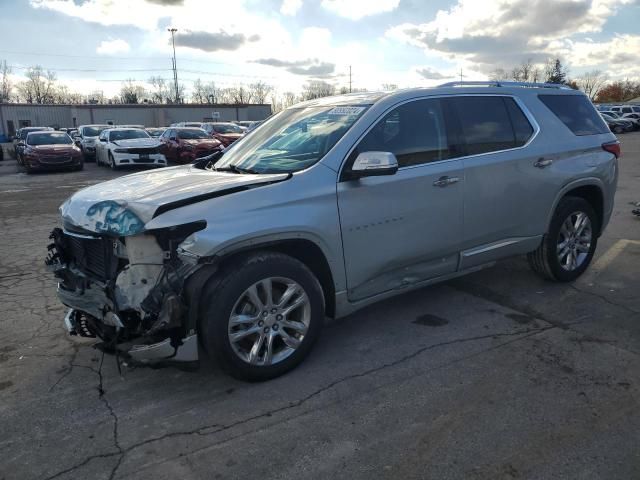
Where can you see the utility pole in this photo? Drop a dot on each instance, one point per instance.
(461, 75)
(349, 78)
(175, 65)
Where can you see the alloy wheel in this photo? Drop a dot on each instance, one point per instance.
(574, 241)
(269, 321)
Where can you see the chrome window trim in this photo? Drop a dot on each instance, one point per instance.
(520, 103)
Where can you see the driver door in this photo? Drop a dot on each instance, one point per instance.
(402, 229)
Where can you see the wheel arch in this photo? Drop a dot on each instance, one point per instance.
(302, 249)
(589, 189)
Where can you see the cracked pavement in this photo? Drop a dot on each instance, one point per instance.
(496, 375)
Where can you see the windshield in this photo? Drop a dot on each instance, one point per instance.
(127, 135)
(155, 132)
(92, 131)
(226, 128)
(292, 140)
(36, 139)
(192, 134)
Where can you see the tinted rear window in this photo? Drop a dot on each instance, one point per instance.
(576, 112)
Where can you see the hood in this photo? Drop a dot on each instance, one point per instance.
(137, 142)
(44, 149)
(124, 205)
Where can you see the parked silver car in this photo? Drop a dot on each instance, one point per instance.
(329, 206)
(87, 138)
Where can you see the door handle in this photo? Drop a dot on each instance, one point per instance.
(446, 181)
(543, 162)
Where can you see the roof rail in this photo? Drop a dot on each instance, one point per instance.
(498, 83)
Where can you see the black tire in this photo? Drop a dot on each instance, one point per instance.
(223, 291)
(618, 129)
(80, 166)
(112, 162)
(544, 260)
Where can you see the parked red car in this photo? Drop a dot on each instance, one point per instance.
(44, 150)
(227, 133)
(185, 144)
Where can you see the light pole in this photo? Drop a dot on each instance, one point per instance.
(175, 66)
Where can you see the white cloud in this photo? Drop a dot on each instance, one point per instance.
(290, 7)
(495, 33)
(357, 9)
(112, 47)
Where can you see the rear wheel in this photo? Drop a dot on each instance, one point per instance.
(262, 315)
(568, 247)
(618, 129)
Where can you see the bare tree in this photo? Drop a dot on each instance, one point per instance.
(132, 93)
(159, 89)
(317, 89)
(389, 87)
(592, 82)
(259, 91)
(39, 86)
(199, 93)
(240, 95)
(5, 82)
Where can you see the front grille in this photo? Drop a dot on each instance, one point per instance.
(55, 160)
(91, 255)
(147, 150)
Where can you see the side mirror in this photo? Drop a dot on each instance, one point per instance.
(173, 139)
(21, 144)
(104, 140)
(371, 164)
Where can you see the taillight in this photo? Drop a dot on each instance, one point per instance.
(612, 147)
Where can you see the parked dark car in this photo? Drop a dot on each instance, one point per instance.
(50, 150)
(185, 144)
(227, 133)
(21, 136)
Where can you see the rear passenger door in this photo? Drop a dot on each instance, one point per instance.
(499, 176)
(401, 229)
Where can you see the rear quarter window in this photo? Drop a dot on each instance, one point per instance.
(576, 112)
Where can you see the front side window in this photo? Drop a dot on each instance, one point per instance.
(486, 123)
(292, 140)
(414, 132)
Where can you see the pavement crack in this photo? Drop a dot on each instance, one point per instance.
(605, 299)
(213, 429)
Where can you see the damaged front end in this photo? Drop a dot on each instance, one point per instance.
(126, 285)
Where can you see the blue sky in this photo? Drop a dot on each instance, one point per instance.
(95, 44)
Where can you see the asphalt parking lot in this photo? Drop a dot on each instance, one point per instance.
(497, 375)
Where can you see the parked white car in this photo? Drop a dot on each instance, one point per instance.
(128, 146)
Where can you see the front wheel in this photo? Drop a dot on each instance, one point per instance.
(112, 162)
(262, 315)
(568, 247)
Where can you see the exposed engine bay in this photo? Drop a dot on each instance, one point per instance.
(128, 291)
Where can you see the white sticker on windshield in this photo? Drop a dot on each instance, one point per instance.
(346, 111)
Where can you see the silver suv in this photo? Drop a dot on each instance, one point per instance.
(329, 206)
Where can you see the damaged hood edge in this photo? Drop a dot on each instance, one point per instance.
(123, 206)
